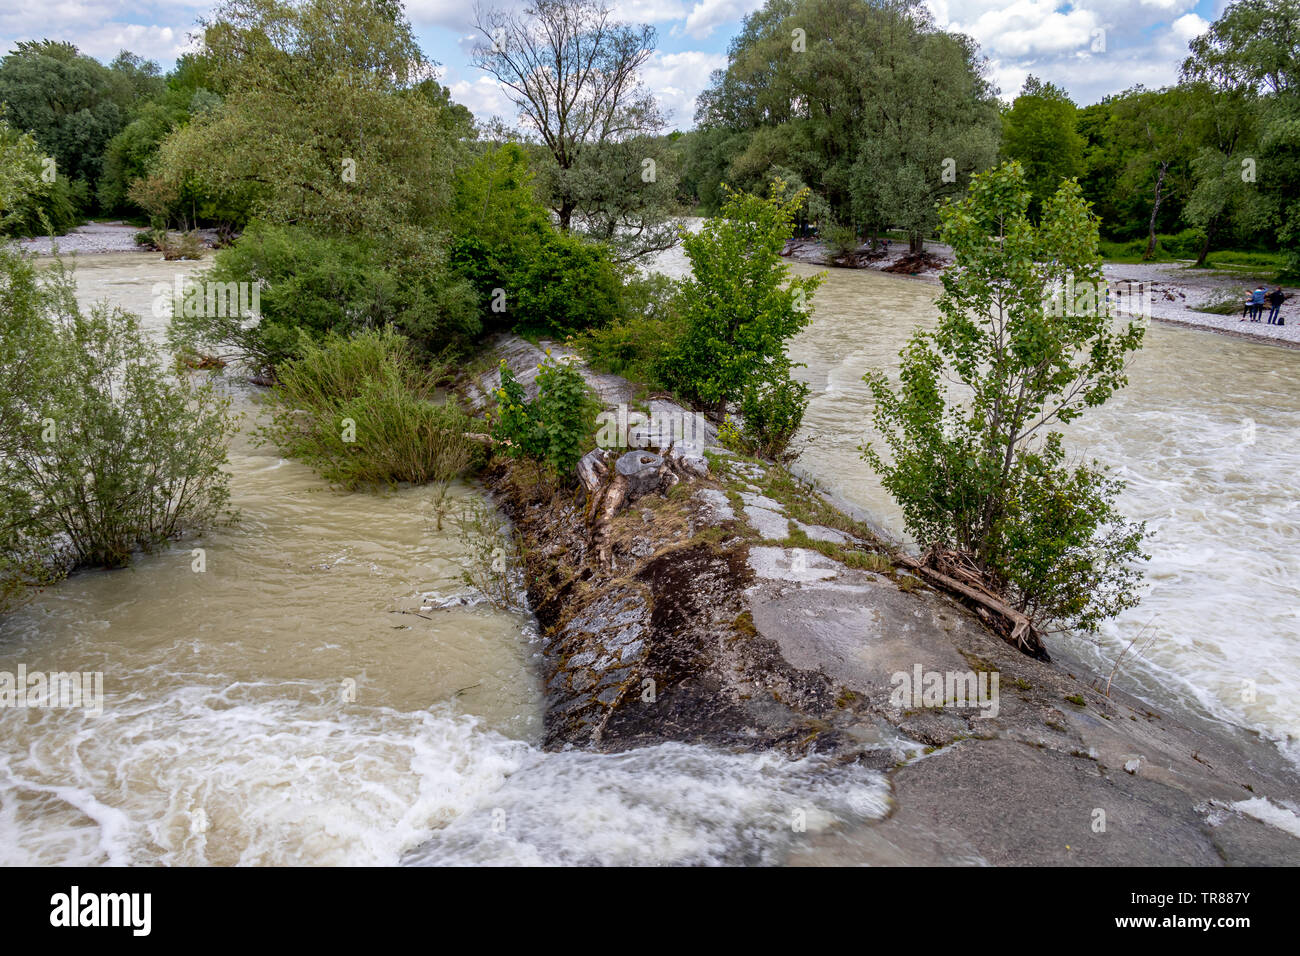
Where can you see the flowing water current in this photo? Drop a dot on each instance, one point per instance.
(303, 700)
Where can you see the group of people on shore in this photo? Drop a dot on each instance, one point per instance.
(1255, 303)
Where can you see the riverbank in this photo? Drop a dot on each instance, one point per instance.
(1175, 290)
(97, 238)
(740, 610)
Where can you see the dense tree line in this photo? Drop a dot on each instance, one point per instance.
(882, 115)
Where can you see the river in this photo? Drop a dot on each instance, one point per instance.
(301, 701)
(295, 703)
(1207, 437)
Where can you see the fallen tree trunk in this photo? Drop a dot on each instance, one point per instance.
(1019, 630)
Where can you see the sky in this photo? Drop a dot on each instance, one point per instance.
(1091, 47)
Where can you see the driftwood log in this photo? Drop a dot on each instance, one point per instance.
(949, 571)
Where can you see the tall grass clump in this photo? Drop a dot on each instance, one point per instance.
(364, 410)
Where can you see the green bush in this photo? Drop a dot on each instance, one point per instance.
(772, 408)
(554, 429)
(103, 451)
(739, 306)
(567, 284)
(527, 275)
(362, 410)
(318, 285)
(1182, 245)
(634, 344)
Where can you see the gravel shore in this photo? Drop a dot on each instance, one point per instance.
(90, 239)
(96, 238)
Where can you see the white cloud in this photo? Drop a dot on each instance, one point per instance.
(1189, 27)
(1142, 41)
(707, 15)
(483, 95)
(677, 78)
(649, 11)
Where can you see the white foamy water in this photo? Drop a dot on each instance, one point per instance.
(667, 804)
(294, 703)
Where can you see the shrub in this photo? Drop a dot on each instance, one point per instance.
(1183, 245)
(980, 472)
(184, 246)
(841, 239)
(361, 410)
(565, 285)
(527, 275)
(772, 408)
(634, 344)
(554, 429)
(737, 306)
(104, 452)
(319, 285)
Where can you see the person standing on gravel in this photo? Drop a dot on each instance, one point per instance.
(1275, 300)
(1257, 303)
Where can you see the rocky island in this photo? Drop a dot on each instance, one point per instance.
(734, 606)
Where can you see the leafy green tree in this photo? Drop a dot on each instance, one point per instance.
(30, 203)
(1039, 132)
(740, 305)
(70, 102)
(1153, 131)
(1251, 54)
(879, 112)
(527, 275)
(979, 469)
(324, 112)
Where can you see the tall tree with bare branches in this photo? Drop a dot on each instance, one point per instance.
(574, 73)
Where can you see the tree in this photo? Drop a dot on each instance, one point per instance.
(871, 105)
(30, 203)
(324, 115)
(739, 305)
(936, 126)
(70, 102)
(1252, 54)
(1224, 198)
(1025, 333)
(1039, 132)
(1255, 44)
(574, 75)
(1152, 128)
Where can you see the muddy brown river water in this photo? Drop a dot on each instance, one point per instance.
(279, 706)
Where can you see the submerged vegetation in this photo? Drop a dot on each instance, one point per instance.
(104, 451)
(364, 410)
